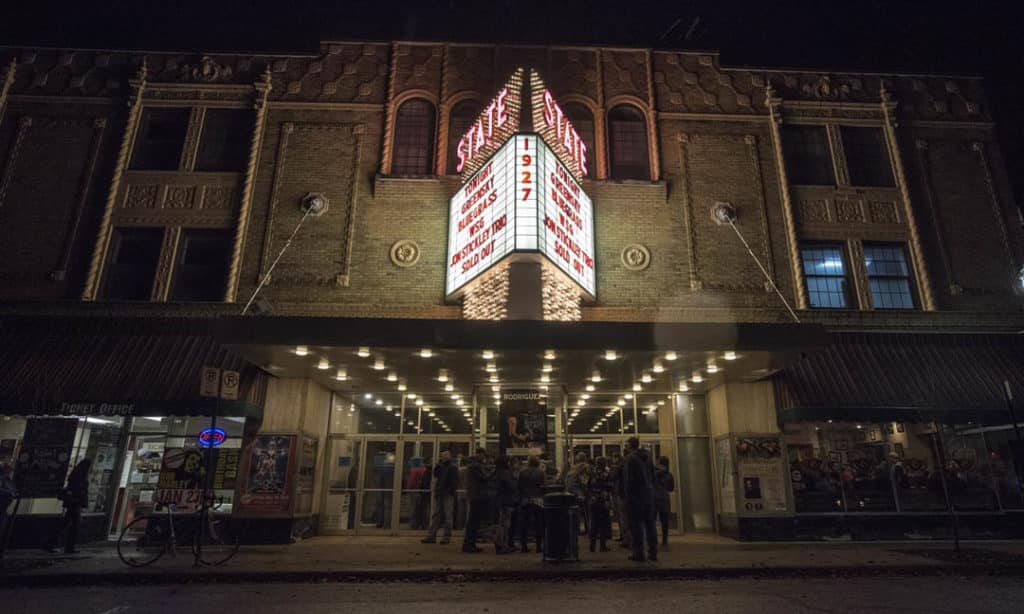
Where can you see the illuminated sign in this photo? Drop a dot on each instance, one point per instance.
(498, 121)
(551, 123)
(211, 437)
(523, 199)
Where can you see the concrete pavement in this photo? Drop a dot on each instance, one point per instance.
(404, 558)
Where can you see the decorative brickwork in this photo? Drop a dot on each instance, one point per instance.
(560, 299)
(488, 298)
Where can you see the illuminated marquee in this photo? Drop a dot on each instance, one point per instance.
(551, 123)
(499, 120)
(522, 199)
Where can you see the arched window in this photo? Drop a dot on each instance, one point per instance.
(583, 120)
(460, 119)
(413, 145)
(627, 143)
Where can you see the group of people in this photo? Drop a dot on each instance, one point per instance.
(629, 488)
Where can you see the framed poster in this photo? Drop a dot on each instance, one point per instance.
(762, 473)
(522, 423)
(267, 468)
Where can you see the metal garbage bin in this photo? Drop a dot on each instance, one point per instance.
(561, 527)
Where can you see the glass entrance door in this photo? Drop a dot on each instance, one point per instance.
(340, 494)
(378, 484)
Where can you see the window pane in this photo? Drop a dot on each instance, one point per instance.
(583, 120)
(825, 272)
(202, 266)
(867, 157)
(460, 119)
(627, 140)
(888, 276)
(413, 152)
(808, 158)
(134, 253)
(224, 145)
(160, 139)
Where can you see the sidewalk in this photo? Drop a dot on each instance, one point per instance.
(405, 559)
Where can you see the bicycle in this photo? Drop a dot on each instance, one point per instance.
(149, 537)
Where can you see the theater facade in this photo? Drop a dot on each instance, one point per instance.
(323, 269)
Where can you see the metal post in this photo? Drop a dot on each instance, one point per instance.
(206, 501)
(940, 457)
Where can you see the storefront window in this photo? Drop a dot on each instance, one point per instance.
(895, 467)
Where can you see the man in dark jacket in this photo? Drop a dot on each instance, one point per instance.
(76, 496)
(639, 487)
(531, 494)
(664, 485)
(446, 482)
(478, 492)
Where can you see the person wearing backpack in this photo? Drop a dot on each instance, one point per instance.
(664, 483)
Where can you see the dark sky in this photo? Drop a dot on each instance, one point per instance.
(983, 37)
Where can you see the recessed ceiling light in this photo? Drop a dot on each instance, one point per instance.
(584, 396)
(595, 376)
(378, 365)
(545, 378)
(495, 388)
(712, 367)
(697, 377)
(419, 402)
(683, 387)
(637, 387)
(323, 365)
(363, 352)
(442, 375)
(658, 367)
(620, 403)
(410, 396)
(610, 355)
(590, 387)
(730, 355)
(402, 387)
(491, 367)
(379, 402)
(646, 378)
(493, 379)
(392, 377)
(426, 353)
(458, 401)
(488, 354)
(367, 396)
(341, 375)
(581, 402)
(671, 355)
(549, 354)
(449, 387)
(627, 396)
(455, 396)
(301, 350)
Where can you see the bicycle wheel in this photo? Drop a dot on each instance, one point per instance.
(144, 540)
(218, 540)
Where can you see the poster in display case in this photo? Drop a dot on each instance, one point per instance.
(268, 475)
(761, 470)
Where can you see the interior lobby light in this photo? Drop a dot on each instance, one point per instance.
(379, 402)
(621, 403)
(341, 375)
(426, 353)
(658, 367)
(410, 396)
(495, 388)
(455, 396)
(442, 375)
(449, 387)
(637, 387)
(590, 387)
(488, 354)
(584, 396)
(367, 396)
(712, 367)
(683, 387)
(610, 355)
(595, 376)
(301, 350)
(581, 402)
(547, 368)
(497, 396)
(627, 396)
(697, 377)
(493, 379)
(491, 367)
(402, 387)
(458, 401)
(363, 352)
(323, 365)
(545, 378)
(549, 354)
(730, 355)
(646, 378)
(671, 355)
(378, 365)
(419, 402)
(392, 377)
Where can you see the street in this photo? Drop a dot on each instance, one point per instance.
(888, 594)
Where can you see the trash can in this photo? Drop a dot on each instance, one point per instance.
(561, 527)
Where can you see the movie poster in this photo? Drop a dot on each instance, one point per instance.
(183, 474)
(44, 456)
(269, 460)
(522, 423)
(762, 474)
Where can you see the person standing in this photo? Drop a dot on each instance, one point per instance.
(75, 496)
(507, 499)
(639, 487)
(618, 479)
(531, 496)
(664, 483)
(576, 479)
(446, 483)
(599, 500)
(477, 478)
(8, 493)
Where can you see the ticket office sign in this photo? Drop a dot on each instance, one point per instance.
(523, 199)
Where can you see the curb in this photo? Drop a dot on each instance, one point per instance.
(532, 575)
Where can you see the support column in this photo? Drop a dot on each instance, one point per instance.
(775, 116)
(916, 252)
(245, 207)
(138, 87)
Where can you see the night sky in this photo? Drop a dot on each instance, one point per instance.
(981, 37)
